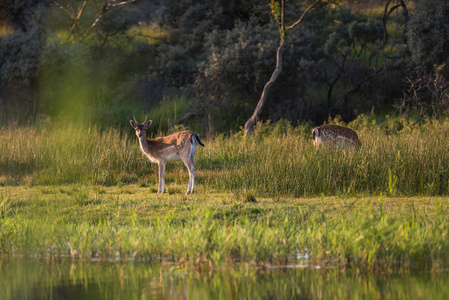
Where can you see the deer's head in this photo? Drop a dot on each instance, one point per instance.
(140, 127)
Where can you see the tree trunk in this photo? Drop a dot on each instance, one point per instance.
(251, 122)
(249, 125)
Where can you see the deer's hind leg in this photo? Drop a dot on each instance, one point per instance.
(191, 167)
(189, 161)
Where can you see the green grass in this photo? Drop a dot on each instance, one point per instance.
(277, 161)
(364, 233)
(86, 192)
(280, 160)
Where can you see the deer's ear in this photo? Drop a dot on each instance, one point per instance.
(148, 124)
(133, 124)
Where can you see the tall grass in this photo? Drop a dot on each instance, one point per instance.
(281, 160)
(61, 153)
(398, 157)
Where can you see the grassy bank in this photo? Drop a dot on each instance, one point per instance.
(267, 198)
(206, 229)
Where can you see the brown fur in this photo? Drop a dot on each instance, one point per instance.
(337, 134)
(181, 141)
(174, 147)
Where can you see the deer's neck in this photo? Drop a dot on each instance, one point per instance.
(146, 149)
(144, 145)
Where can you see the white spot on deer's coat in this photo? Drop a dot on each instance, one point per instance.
(172, 157)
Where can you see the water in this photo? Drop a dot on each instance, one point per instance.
(65, 279)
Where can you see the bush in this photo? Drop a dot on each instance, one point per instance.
(19, 58)
(428, 37)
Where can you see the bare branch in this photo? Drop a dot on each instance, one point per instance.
(102, 10)
(303, 14)
(65, 10)
(122, 3)
(81, 9)
(92, 26)
(68, 9)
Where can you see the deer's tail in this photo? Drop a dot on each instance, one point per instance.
(197, 138)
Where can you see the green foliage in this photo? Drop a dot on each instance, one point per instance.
(19, 58)
(428, 37)
(329, 66)
(23, 15)
(238, 61)
(365, 33)
(217, 54)
(187, 28)
(276, 11)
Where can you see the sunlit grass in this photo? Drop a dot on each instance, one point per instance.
(278, 160)
(366, 233)
(283, 161)
(150, 33)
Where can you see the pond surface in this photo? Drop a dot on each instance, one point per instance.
(67, 279)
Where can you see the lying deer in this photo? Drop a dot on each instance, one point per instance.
(178, 146)
(334, 134)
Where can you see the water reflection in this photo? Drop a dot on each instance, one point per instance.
(65, 279)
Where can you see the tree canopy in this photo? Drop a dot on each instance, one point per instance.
(99, 61)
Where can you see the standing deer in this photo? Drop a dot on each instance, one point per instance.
(334, 134)
(178, 146)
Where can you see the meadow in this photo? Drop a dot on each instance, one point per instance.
(271, 198)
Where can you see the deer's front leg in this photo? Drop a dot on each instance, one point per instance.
(161, 177)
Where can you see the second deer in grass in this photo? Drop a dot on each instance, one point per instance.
(178, 146)
(334, 134)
